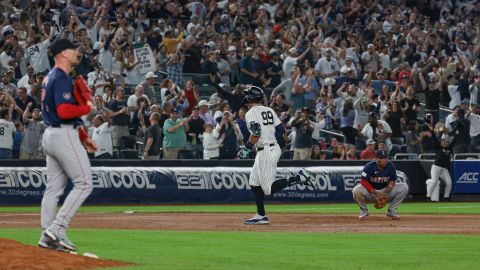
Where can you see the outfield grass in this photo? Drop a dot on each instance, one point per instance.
(253, 250)
(346, 208)
(272, 250)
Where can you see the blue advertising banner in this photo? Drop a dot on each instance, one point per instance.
(181, 185)
(466, 175)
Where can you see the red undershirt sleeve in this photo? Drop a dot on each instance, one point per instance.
(367, 185)
(83, 135)
(68, 111)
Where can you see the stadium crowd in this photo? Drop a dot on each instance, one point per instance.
(345, 77)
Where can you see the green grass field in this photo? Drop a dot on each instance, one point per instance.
(279, 250)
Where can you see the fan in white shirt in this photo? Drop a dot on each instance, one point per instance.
(102, 135)
(211, 142)
(454, 92)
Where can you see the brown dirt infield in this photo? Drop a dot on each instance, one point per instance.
(17, 256)
(376, 223)
(14, 255)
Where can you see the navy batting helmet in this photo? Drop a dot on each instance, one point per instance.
(253, 94)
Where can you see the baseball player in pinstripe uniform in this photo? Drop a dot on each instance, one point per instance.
(440, 170)
(265, 127)
(64, 143)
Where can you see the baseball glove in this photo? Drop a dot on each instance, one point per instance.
(81, 91)
(244, 152)
(381, 200)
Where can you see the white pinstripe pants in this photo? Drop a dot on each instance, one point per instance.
(264, 169)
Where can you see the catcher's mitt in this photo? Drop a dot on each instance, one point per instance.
(381, 200)
(81, 91)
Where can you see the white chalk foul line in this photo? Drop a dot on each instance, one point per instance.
(459, 207)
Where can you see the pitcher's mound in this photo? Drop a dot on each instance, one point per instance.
(14, 255)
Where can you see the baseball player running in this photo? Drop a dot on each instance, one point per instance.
(378, 178)
(265, 127)
(63, 142)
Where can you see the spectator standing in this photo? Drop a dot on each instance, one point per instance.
(98, 78)
(234, 62)
(31, 147)
(370, 59)
(102, 135)
(195, 129)
(432, 94)
(27, 80)
(148, 86)
(303, 137)
(410, 105)
(162, 58)
(292, 59)
(346, 121)
(132, 100)
(174, 135)
(152, 139)
(228, 128)
(474, 117)
(191, 94)
(7, 132)
(234, 98)
(428, 137)
(395, 118)
(212, 142)
(327, 67)
(204, 114)
(454, 92)
(120, 118)
(461, 133)
(175, 66)
(378, 130)
(23, 99)
(248, 74)
(474, 90)
(223, 68)
(381, 81)
(414, 141)
(274, 70)
(210, 67)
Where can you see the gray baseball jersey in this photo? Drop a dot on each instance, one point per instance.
(264, 169)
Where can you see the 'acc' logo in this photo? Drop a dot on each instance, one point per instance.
(67, 96)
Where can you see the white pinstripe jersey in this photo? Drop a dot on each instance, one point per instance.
(268, 120)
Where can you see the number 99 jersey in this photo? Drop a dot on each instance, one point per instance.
(267, 119)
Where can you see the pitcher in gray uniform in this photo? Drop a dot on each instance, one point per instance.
(64, 143)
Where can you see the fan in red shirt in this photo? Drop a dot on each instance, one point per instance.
(369, 152)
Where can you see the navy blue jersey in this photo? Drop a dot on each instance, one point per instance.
(377, 178)
(57, 88)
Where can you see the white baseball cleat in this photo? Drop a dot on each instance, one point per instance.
(308, 179)
(363, 214)
(256, 220)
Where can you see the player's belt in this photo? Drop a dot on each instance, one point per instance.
(64, 125)
(261, 148)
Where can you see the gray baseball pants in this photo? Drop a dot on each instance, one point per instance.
(66, 159)
(398, 193)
